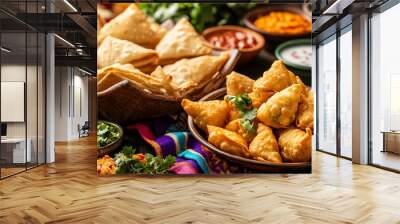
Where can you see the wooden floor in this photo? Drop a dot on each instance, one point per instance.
(387, 159)
(70, 192)
(10, 171)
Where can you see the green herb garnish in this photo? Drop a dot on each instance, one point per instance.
(129, 162)
(201, 15)
(242, 102)
(124, 161)
(247, 112)
(106, 134)
(155, 164)
(248, 126)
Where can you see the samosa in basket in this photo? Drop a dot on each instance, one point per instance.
(114, 50)
(133, 25)
(113, 74)
(100, 22)
(182, 41)
(192, 73)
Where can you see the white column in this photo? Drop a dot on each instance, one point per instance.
(360, 90)
(50, 99)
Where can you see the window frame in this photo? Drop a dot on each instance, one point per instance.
(378, 10)
(337, 35)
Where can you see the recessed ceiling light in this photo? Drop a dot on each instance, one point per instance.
(84, 71)
(64, 40)
(5, 50)
(70, 5)
(337, 7)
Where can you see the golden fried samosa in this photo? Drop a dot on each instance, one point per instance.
(100, 22)
(205, 113)
(233, 113)
(108, 81)
(133, 25)
(295, 145)
(114, 50)
(258, 97)
(104, 83)
(277, 78)
(181, 42)
(305, 114)
(280, 110)
(237, 84)
(118, 8)
(189, 73)
(103, 14)
(110, 75)
(236, 126)
(228, 141)
(264, 146)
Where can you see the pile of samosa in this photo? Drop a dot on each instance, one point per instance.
(131, 46)
(268, 119)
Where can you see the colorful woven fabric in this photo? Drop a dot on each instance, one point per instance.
(191, 156)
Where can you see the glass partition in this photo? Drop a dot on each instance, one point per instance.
(22, 78)
(346, 92)
(326, 133)
(385, 89)
(15, 151)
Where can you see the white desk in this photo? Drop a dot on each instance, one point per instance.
(18, 149)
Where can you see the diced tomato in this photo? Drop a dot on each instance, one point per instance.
(233, 39)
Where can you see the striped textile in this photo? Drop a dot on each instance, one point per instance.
(191, 156)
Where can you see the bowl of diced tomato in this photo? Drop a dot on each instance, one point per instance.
(248, 42)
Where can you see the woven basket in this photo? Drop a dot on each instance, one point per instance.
(124, 103)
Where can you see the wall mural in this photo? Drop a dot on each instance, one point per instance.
(188, 88)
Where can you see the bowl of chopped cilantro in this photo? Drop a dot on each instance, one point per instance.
(109, 137)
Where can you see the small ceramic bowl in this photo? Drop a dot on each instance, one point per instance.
(105, 150)
(274, 38)
(301, 69)
(246, 54)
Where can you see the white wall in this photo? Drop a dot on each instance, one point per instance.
(61, 103)
(33, 127)
(15, 73)
(70, 83)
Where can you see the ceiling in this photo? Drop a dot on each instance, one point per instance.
(332, 15)
(72, 20)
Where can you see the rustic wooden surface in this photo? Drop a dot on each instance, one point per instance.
(70, 192)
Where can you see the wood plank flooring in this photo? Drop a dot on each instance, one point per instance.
(70, 192)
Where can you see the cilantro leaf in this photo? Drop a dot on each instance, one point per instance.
(241, 102)
(250, 114)
(128, 151)
(248, 125)
(247, 112)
